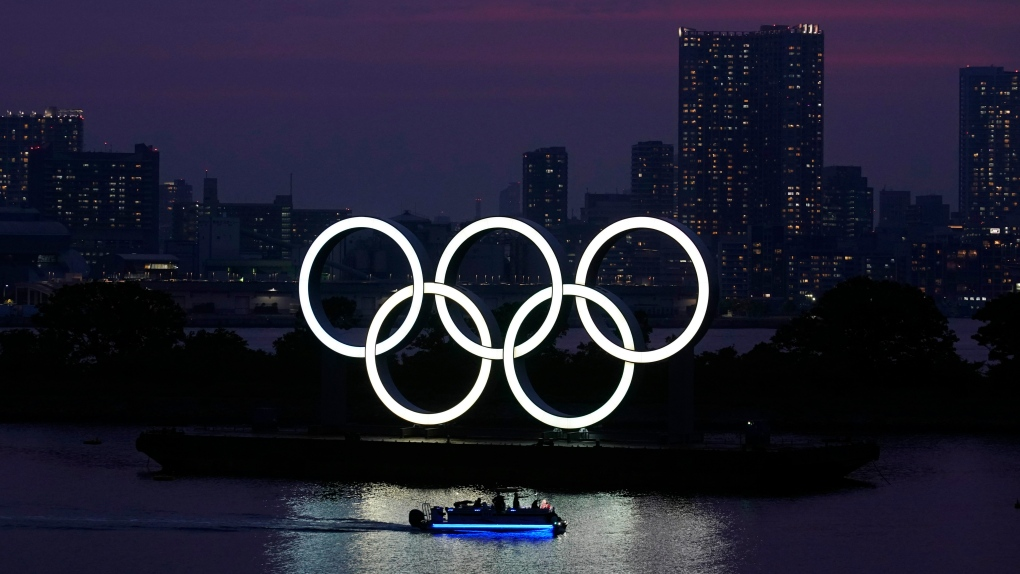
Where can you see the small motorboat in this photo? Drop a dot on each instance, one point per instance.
(465, 516)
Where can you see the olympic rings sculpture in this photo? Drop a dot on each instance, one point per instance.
(490, 346)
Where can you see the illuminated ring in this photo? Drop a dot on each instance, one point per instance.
(309, 287)
(521, 385)
(588, 265)
(383, 384)
(542, 239)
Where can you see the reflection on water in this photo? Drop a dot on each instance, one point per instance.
(932, 503)
(606, 532)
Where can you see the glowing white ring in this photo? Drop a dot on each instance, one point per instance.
(529, 399)
(488, 350)
(335, 233)
(537, 235)
(676, 233)
(401, 406)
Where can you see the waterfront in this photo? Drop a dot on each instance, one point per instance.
(741, 339)
(931, 503)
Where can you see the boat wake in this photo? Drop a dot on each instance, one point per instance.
(232, 523)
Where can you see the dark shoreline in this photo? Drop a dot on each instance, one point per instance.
(158, 412)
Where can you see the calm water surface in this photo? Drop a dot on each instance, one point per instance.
(931, 504)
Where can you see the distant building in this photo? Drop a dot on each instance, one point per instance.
(63, 130)
(210, 190)
(173, 195)
(989, 189)
(848, 203)
(601, 209)
(545, 186)
(265, 227)
(307, 224)
(108, 201)
(652, 175)
(32, 248)
(510, 200)
(928, 212)
(893, 205)
(750, 130)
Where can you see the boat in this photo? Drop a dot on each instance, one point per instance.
(464, 516)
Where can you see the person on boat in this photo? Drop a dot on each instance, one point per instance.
(498, 502)
(478, 501)
(517, 501)
(535, 504)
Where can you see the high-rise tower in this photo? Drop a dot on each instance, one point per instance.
(750, 130)
(545, 186)
(848, 201)
(989, 164)
(20, 132)
(108, 201)
(651, 178)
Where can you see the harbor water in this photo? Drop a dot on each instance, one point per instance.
(931, 503)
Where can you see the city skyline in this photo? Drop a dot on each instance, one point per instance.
(433, 107)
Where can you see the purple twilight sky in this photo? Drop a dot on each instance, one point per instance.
(382, 106)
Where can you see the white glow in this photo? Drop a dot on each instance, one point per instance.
(488, 348)
(529, 399)
(399, 405)
(536, 235)
(306, 281)
(676, 233)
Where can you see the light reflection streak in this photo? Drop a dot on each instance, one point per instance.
(608, 531)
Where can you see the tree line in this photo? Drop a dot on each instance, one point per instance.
(866, 350)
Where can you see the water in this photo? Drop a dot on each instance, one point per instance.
(932, 503)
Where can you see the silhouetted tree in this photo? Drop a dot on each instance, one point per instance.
(1000, 334)
(864, 331)
(298, 354)
(220, 362)
(21, 360)
(341, 312)
(102, 324)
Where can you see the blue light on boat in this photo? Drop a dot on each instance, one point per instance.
(492, 526)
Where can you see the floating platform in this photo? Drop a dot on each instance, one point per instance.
(540, 463)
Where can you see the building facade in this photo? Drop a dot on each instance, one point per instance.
(108, 201)
(989, 188)
(20, 132)
(510, 200)
(652, 178)
(750, 130)
(545, 186)
(848, 203)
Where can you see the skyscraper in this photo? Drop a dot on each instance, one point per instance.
(61, 129)
(108, 201)
(651, 178)
(893, 205)
(545, 186)
(750, 130)
(989, 164)
(848, 202)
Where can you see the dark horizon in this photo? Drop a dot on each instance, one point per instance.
(433, 107)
